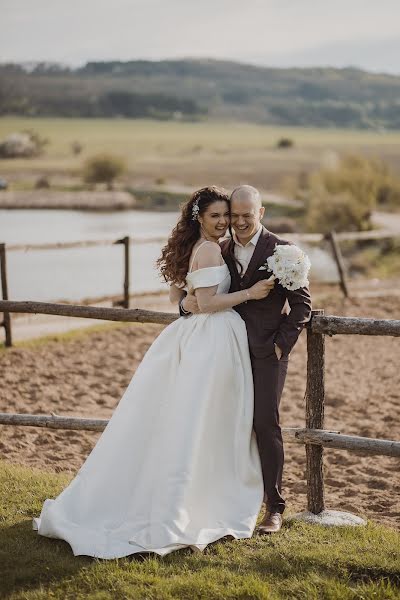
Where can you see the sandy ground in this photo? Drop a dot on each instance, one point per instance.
(87, 375)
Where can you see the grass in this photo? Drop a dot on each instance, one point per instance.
(192, 153)
(300, 562)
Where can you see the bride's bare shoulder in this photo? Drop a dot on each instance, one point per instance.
(208, 255)
(210, 247)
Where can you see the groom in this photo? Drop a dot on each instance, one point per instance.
(272, 332)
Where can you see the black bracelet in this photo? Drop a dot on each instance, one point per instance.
(185, 312)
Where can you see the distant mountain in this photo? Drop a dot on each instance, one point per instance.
(193, 89)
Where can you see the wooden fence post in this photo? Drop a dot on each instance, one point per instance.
(6, 323)
(125, 301)
(126, 243)
(337, 254)
(315, 397)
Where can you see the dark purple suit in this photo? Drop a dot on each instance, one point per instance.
(265, 325)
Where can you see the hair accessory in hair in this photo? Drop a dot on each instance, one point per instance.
(195, 208)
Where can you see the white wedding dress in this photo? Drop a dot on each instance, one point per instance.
(177, 464)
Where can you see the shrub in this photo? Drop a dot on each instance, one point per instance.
(24, 144)
(38, 141)
(389, 193)
(339, 211)
(285, 143)
(42, 183)
(344, 197)
(103, 168)
(76, 148)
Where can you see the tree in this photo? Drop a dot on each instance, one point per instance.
(103, 168)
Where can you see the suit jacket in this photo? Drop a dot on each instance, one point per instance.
(264, 320)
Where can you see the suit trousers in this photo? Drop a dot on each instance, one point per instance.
(269, 376)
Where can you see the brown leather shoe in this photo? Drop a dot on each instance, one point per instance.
(271, 523)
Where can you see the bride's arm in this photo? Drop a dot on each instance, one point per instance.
(175, 293)
(207, 298)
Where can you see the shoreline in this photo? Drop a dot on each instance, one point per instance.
(137, 197)
(96, 201)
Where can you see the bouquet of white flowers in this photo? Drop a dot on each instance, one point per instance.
(290, 265)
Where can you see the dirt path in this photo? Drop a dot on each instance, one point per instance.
(87, 375)
(385, 220)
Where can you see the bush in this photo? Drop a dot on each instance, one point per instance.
(103, 168)
(285, 143)
(76, 148)
(344, 197)
(42, 183)
(375, 258)
(24, 144)
(339, 211)
(389, 194)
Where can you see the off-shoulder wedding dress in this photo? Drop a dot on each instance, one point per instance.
(177, 464)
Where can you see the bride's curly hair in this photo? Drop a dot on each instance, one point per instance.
(173, 263)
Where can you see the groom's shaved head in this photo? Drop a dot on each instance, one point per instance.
(247, 192)
(246, 212)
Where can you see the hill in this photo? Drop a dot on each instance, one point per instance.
(195, 89)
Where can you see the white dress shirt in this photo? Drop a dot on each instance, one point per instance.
(244, 253)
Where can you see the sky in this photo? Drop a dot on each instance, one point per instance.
(339, 33)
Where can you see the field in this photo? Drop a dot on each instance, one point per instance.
(85, 373)
(190, 154)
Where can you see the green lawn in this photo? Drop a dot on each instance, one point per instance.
(300, 562)
(193, 153)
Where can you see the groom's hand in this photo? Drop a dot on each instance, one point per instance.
(189, 303)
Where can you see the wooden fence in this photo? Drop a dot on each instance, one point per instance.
(314, 436)
(333, 237)
(125, 241)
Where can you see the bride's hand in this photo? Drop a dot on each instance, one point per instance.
(261, 289)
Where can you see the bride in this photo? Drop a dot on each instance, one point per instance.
(177, 464)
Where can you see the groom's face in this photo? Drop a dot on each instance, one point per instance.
(246, 215)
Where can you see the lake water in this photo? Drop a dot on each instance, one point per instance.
(76, 273)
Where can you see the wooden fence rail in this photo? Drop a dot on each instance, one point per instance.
(332, 325)
(297, 435)
(322, 324)
(88, 312)
(127, 241)
(314, 436)
(82, 244)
